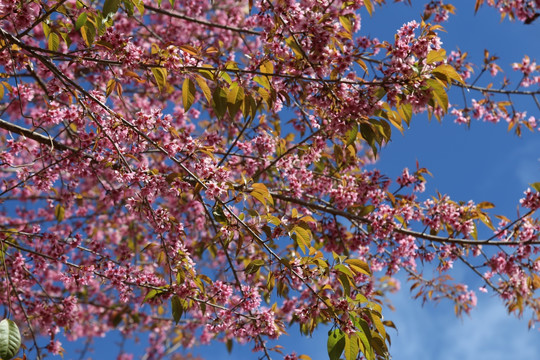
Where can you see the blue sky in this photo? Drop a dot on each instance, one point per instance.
(483, 163)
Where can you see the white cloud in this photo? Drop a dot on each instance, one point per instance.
(434, 333)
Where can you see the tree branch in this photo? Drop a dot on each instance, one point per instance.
(42, 139)
(199, 21)
(417, 234)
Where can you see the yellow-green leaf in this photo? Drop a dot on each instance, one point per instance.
(449, 72)
(303, 237)
(235, 99)
(54, 41)
(350, 135)
(204, 87)
(376, 320)
(485, 205)
(352, 347)
(405, 112)
(267, 67)
(59, 212)
(160, 75)
(263, 81)
(439, 94)
(139, 5)
(188, 93)
(111, 84)
(369, 6)
(294, 47)
(435, 56)
(358, 266)
(46, 29)
(261, 193)
(189, 49)
(346, 23)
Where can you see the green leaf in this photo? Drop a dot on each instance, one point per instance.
(344, 270)
(102, 24)
(150, 295)
(378, 345)
(110, 7)
(10, 339)
(249, 107)
(188, 93)
(219, 102)
(335, 344)
(254, 266)
(66, 38)
(81, 20)
(177, 308)
(128, 6)
(535, 186)
(350, 135)
(88, 32)
(270, 281)
(219, 214)
(365, 335)
(369, 136)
